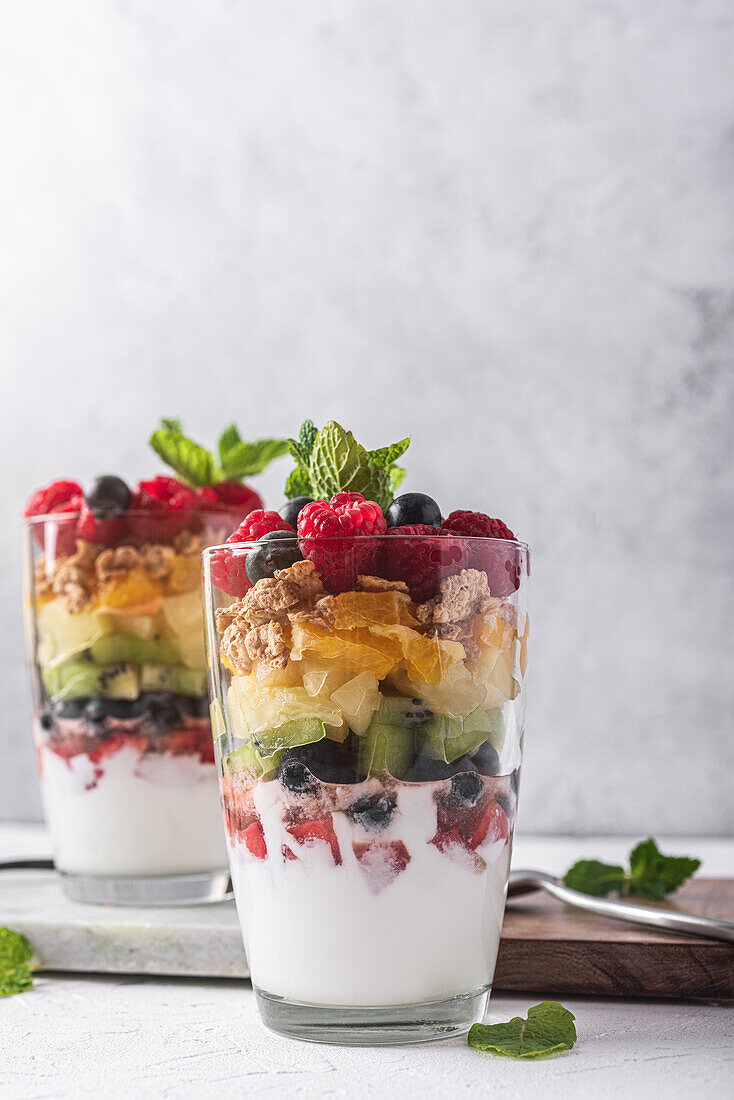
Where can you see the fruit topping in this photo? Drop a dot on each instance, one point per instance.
(413, 508)
(253, 839)
(229, 573)
(59, 496)
(275, 550)
(228, 496)
(373, 811)
(292, 509)
(476, 525)
(466, 787)
(295, 776)
(108, 494)
(381, 861)
(332, 537)
(316, 833)
(421, 562)
(259, 523)
(497, 562)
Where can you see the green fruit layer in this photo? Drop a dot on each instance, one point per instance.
(78, 679)
(173, 678)
(114, 648)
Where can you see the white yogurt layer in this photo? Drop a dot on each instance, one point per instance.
(155, 815)
(318, 933)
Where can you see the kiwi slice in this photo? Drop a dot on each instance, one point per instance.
(114, 648)
(385, 747)
(77, 679)
(399, 710)
(247, 758)
(447, 737)
(301, 731)
(174, 678)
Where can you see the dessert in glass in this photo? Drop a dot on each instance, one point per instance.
(367, 675)
(118, 668)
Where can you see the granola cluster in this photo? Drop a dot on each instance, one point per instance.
(73, 579)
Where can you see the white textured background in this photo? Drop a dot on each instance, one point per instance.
(506, 228)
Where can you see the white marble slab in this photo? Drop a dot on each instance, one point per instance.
(205, 940)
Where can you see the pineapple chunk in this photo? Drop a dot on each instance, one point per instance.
(358, 700)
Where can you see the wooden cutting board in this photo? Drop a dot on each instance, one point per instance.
(549, 947)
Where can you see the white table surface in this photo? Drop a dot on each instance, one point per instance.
(74, 1036)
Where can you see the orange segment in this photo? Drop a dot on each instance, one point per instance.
(424, 658)
(136, 587)
(184, 575)
(355, 610)
(354, 649)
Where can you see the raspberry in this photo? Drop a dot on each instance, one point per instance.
(228, 496)
(229, 573)
(167, 503)
(421, 562)
(499, 563)
(257, 524)
(59, 496)
(476, 525)
(333, 534)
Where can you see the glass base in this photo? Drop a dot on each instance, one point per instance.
(366, 1027)
(148, 890)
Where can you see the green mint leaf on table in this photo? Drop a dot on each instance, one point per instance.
(653, 875)
(16, 954)
(339, 464)
(298, 483)
(548, 1029)
(192, 462)
(386, 456)
(589, 876)
(245, 459)
(307, 437)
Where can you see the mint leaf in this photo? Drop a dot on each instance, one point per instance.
(298, 484)
(339, 464)
(193, 463)
(296, 450)
(229, 438)
(16, 954)
(172, 426)
(595, 878)
(396, 476)
(307, 438)
(242, 459)
(385, 456)
(548, 1029)
(653, 875)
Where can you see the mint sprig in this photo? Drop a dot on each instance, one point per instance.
(197, 466)
(331, 461)
(548, 1029)
(16, 963)
(651, 874)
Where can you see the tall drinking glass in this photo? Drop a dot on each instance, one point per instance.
(120, 709)
(369, 739)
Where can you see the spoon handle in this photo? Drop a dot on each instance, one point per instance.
(664, 920)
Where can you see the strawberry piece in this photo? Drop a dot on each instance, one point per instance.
(287, 853)
(317, 831)
(381, 861)
(491, 825)
(114, 744)
(253, 839)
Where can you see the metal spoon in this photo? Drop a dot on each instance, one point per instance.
(664, 920)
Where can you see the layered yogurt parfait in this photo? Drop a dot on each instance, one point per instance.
(367, 660)
(121, 715)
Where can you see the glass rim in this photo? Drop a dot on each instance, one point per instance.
(251, 544)
(135, 513)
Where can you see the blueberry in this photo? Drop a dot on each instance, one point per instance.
(196, 706)
(295, 776)
(163, 709)
(428, 769)
(108, 494)
(95, 712)
(373, 811)
(466, 788)
(486, 759)
(291, 509)
(329, 761)
(47, 722)
(413, 508)
(515, 780)
(68, 708)
(276, 550)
